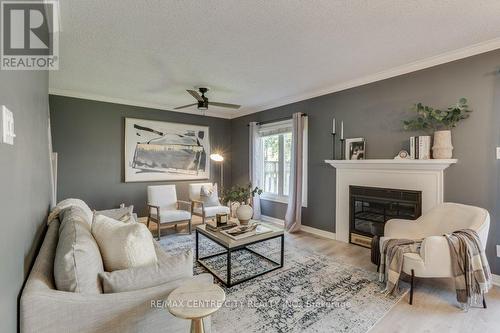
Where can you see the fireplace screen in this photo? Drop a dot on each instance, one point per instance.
(371, 207)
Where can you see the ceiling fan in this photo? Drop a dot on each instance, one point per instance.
(203, 102)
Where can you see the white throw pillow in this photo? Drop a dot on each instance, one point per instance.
(209, 196)
(123, 245)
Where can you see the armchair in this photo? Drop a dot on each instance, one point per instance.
(164, 208)
(198, 208)
(434, 258)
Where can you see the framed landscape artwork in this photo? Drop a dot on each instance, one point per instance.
(163, 151)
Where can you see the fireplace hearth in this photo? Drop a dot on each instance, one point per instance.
(371, 207)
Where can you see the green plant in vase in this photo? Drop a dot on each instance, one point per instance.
(242, 195)
(440, 122)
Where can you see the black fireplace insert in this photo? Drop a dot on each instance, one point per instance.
(371, 207)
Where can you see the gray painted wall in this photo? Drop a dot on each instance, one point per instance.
(89, 139)
(375, 111)
(24, 185)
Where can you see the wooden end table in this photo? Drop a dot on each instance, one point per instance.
(195, 301)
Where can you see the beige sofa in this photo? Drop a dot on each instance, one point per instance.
(46, 309)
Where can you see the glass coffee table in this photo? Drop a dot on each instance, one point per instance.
(231, 245)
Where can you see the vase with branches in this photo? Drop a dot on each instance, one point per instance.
(440, 122)
(243, 195)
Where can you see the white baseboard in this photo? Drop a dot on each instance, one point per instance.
(305, 228)
(496, 279)
(318, 232)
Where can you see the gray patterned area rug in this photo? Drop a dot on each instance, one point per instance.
(311, 293)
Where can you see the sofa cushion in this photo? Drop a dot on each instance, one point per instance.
(124, 214)
(77, 261)
(168, 268)
(67, 203)
(123, 245)
(169, 215)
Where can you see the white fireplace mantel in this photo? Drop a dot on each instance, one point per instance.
(420, 175)
(393, 164)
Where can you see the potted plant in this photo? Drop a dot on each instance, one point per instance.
(441, 122)
(243, 195)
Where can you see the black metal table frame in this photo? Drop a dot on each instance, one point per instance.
(228, 283)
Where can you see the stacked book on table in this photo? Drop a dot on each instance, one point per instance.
(236, 231)
(243, 231)
(212, 227)
(420, 147)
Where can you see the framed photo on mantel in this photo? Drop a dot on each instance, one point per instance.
(355, 149)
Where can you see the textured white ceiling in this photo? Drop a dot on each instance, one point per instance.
(259, 53)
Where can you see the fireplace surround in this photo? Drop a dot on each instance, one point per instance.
(426, 176)
(371, 207)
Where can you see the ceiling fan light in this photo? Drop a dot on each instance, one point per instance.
(203, 105)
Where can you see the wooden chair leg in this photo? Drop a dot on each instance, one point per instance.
(147, 223)
(412, 286)
(189, 226)
(158, 224)
(484, 302)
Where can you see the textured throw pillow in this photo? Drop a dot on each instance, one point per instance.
(124, 214)
(209, 196)
(123, 245)
(168, 268)
(77, 261)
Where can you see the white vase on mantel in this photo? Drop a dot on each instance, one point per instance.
(442, 148)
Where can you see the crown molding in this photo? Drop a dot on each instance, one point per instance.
(124, 101)
(469, 51)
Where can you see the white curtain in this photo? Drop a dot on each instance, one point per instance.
(255, 165)
(293, 215)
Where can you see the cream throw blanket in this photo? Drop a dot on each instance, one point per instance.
(391, 263)
(469, 265)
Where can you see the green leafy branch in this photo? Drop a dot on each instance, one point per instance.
(428, 118)
(240, 194)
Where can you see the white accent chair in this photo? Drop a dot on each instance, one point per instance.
(198, 208)
(434, 259)
(163, 207)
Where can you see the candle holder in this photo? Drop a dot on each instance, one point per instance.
(334, 146)
(342, 149)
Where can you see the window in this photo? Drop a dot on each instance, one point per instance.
(276, 153)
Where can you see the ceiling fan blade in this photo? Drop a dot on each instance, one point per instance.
(185, 106)
(225, 105)
(195, 95)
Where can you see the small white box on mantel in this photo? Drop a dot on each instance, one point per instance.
(7, 126)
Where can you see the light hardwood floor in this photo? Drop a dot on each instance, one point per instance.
(434, 306)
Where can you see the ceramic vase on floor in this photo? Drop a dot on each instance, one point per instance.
(244, 213)
(442, 148)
